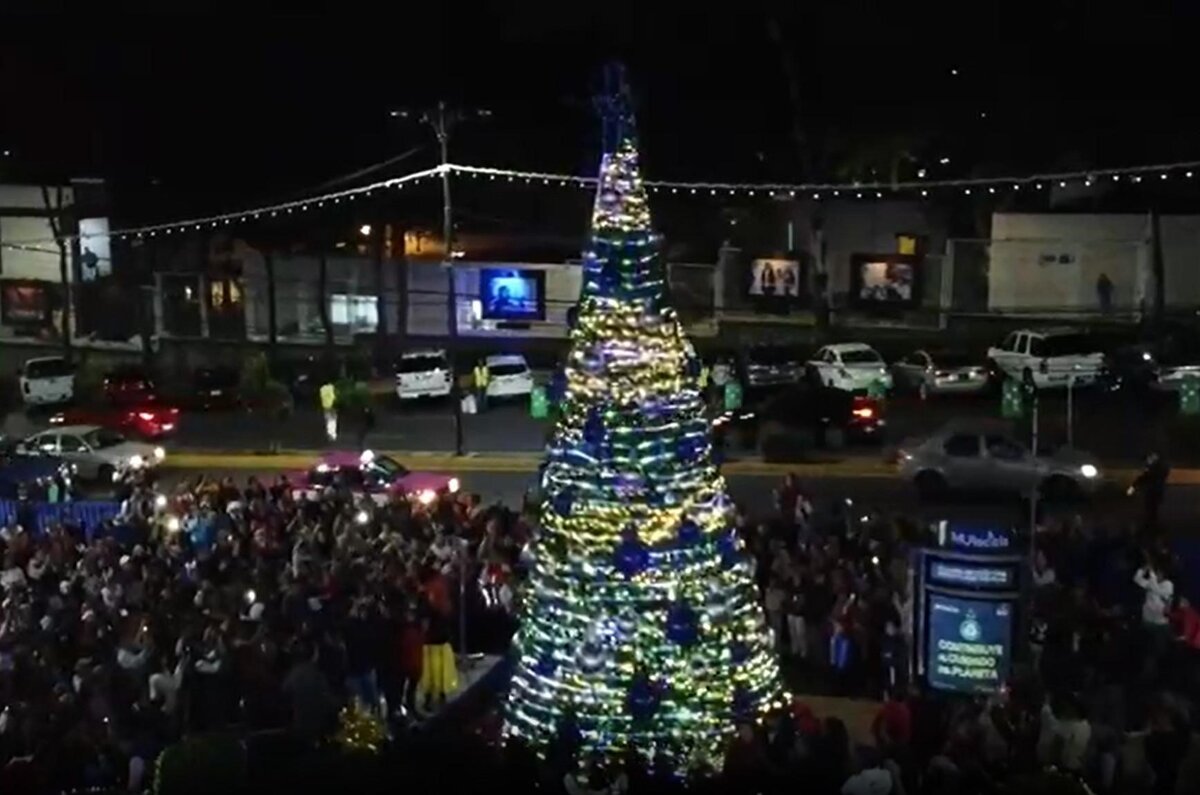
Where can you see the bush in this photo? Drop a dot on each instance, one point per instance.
(201, 765)
(259, 390)
(352, 396)
(89, 380)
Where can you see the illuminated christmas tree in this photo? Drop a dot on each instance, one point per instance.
(640, 626)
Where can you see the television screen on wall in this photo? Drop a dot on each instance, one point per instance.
(510, 294)
(885, 280)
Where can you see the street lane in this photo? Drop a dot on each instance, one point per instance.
(1117, 429)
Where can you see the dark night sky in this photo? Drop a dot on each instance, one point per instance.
(226, 109)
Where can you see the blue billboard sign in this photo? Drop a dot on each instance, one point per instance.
(968, 643)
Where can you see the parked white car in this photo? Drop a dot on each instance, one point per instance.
(852, 366)
(425, 373)
(47, 380)
(508, 376)
(1052, 357)
(97, 453)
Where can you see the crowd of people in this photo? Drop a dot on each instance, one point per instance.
(1103, 689)
(218, 606)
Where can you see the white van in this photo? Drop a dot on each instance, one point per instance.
(47, 380)
(1055, 357)
(423, 374)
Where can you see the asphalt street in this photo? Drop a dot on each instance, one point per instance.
(1181, 511)
(1115, 429)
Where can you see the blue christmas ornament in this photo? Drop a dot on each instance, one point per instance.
(546, 666)
(689, 448)
(727, 547)
(631, 556)
(593, 428)
(690, 533)
(563, 502)
(643, 698)
(592, 362)
(683, 625)
(739, 652)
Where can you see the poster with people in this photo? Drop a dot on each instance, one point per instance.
(779, 278)
(883, 280)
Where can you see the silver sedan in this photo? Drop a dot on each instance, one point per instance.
(982, 457)
(931, 373)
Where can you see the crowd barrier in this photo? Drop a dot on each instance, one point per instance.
(89, 515)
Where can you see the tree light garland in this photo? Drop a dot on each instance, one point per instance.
(640, 623)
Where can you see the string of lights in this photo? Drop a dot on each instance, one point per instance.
(1038, 181)
(223, 219)
(1158, 172)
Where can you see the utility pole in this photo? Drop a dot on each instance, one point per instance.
(441, 119)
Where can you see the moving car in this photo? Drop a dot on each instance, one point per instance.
(46, 381)
(150, 419)
(380, 476)
(852, 366)
(982, 456)
(931, 373)
(425, 373)
(1054, 357)
(508, 376)
(98, 453)
(765, 366)
(802, 417)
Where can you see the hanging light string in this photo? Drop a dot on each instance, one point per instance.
(1038, 181)
(817, 190)
(266, 211)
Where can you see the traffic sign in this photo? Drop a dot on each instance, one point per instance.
(539, 407)
(733, 396)
(1189, 396)
(1012, 400)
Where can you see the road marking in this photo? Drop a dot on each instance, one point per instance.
(528, 463)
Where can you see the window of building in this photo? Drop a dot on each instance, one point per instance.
(359, 312)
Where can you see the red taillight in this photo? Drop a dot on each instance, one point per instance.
(865, 412)
(145, 416)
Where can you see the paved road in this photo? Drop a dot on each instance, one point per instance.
(1181, 512)
(1117, 429)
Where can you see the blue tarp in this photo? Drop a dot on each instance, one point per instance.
(88, 514)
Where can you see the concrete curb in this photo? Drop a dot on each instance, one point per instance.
(528, 462)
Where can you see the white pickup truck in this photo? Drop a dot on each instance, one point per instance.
(1053, 358)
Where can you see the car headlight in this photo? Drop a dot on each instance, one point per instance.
(1089, 471)
(426, 497)
(136, 461)
(159, 454)
(453, 485)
